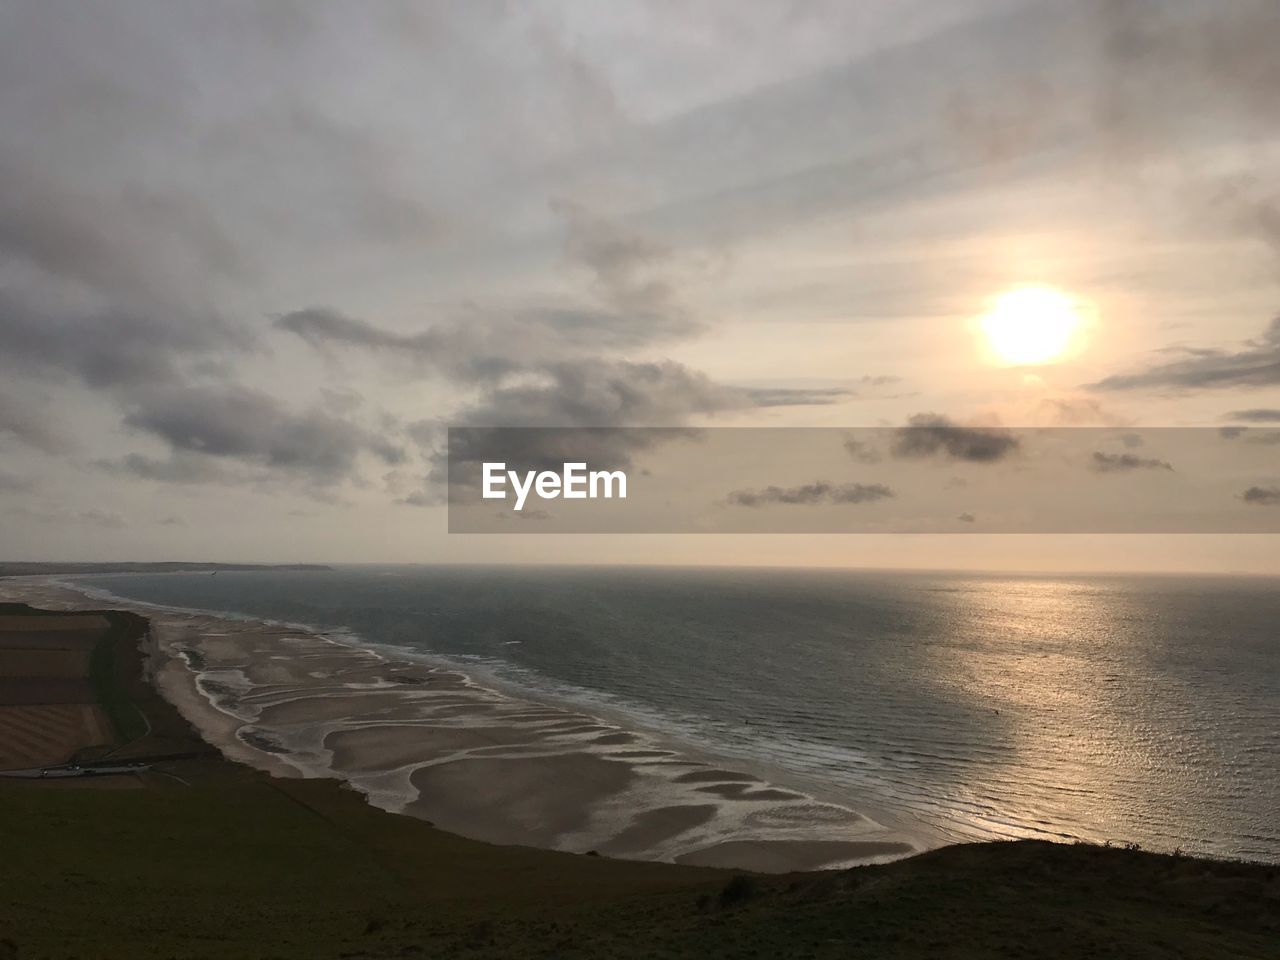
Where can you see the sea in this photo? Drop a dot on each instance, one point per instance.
(1123, 709)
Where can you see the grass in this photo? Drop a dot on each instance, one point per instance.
(109, 665)
(225, 862)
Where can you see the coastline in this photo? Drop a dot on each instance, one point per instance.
(430, 742)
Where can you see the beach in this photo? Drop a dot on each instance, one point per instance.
(427, 741)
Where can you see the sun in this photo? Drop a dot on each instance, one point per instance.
(1032, 325)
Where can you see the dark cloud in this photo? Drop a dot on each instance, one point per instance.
(1261, 496)
(474, 347)
(252, 428)
(599, 395)
(1132, 440)
(146, 203)
(861, 451)
(1232, 433)
(967, 518)
(929, 434)
(1072, 412)
(1255, 415)
(632, 302)
(24, 420)
(112, 349)
(796, 396)
(429, 496)
(324, 325)
(1256, 364)
(111, 242)
(1122, 462)
(810, 494)
(11, 483)
(607, 393)
(477, 346)
(629, 273)
(626, 408)
(180, 467)
(538, 448)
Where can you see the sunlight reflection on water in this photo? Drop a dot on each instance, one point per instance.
(1123, 708)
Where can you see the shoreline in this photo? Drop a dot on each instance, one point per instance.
(430, 742)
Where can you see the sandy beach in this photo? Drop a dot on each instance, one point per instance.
(429, 742)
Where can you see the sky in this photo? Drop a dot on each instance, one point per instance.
(256, 259)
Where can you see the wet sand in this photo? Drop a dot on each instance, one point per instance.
(425, 740)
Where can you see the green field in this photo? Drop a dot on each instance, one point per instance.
(209, 859)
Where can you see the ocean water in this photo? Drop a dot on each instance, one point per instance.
(1130, 709)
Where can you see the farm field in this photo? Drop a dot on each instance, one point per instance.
(48, 707)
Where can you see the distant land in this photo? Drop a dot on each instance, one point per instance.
(35, 569)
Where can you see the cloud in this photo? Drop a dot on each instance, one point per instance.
(114, 349)
(1132, 440)
(180, 467)
(810, 494)
(1155, 54)
(1255, 364)
(478, 346)
(25, 421)
(457, 350)
(102, 518)
(627, 272)
(967, 518)
(929, 434)
(107, 519)
(429, 496)
(11, 483)
(1261, 496)
(322, 325)
(795, 396)
(1122, 462)
(628, 408)
(355, 185)
(105, 240)
(861, 451)
(250, 427)
(1255, 415)
(632, 302)
(1072, 411)
(152, 200)
(1232, 433)
(610, 393)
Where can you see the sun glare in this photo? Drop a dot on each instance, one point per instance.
(1031, 325)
